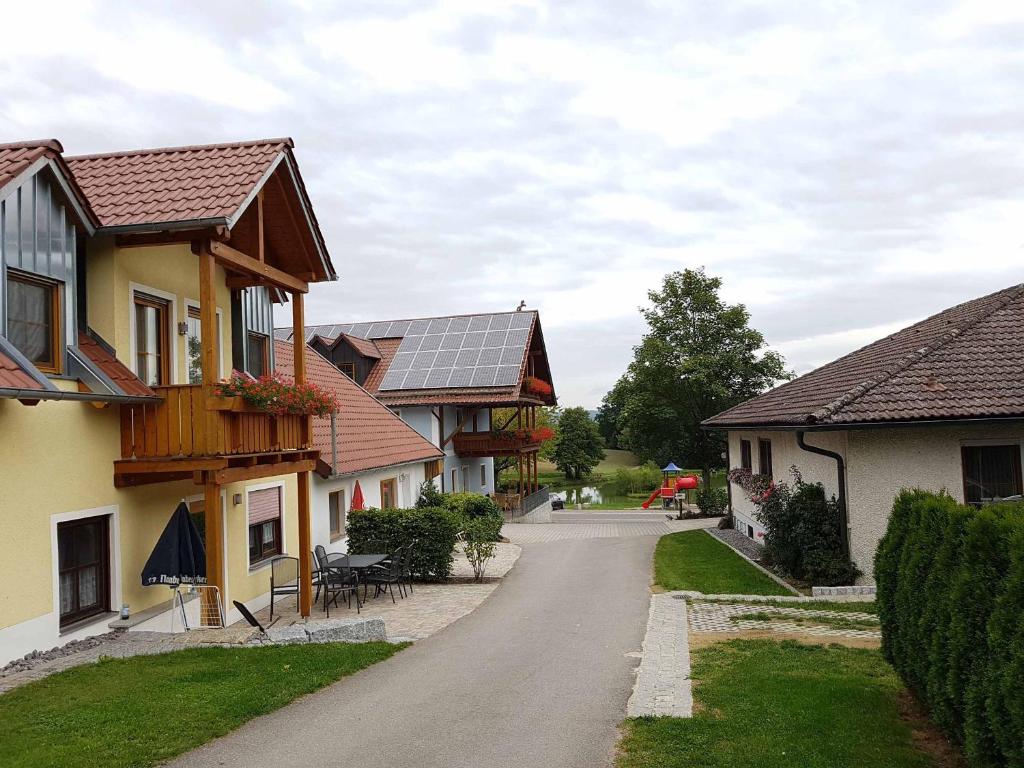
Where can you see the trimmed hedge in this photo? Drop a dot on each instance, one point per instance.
(950, 584)
(433, 530)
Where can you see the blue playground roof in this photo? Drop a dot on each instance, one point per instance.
(671, 468)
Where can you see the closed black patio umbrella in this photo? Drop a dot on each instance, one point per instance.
(179, 556)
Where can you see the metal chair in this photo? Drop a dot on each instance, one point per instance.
(317, 575)
(387, 574)
(338, 579)
(284, 579)
(406, 570)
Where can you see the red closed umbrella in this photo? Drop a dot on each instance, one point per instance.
(357, 498)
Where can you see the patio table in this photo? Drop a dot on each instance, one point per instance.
(356, 562)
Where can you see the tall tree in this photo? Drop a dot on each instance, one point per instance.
(578, 447)
(699, 357)
(609, 412)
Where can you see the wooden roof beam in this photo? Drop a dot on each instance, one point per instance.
(233, 259)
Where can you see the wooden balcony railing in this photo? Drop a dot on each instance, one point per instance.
(494, 443)
(189, 423)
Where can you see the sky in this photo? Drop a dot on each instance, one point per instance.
(846, 168)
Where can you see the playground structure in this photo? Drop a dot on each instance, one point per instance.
(674, 488)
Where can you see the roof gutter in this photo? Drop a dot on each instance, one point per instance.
(164, 226)
(11, 393)
(844, 520)
(841, 427)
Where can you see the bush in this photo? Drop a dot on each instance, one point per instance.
(803, 532)
(627, 480)
(429, 496)
(475, 507)
(431, 531)
(951, 603)
(713, 502)
(479, 545)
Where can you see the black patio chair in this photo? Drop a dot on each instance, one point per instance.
(252, 620)
(284, 579)
(317, 575)
(337, 578)
(407, 566)
(387, 574)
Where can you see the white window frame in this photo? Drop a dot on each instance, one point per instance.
(346, 505)
(255, 567)
(192, 303)
(172, 320)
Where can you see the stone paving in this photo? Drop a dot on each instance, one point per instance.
(728, 617)
(663, 679)
(430, 608)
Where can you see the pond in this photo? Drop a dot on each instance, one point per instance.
(593, 496)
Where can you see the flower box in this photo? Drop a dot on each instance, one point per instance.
(275, 394)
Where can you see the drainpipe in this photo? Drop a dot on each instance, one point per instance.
(844, 521)
(334, 443)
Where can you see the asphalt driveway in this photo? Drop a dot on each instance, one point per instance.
(537, 676)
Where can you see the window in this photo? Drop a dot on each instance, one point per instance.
(336, 505)
(197, 511)
(745, 460)
(257, 354)
(84, 571)
(991, 472)
(152, 340)
(264, 524)
(194, 346)
(432, 469)
(764, 457)
(455, 480)
(349, 369)
(389, 494)
(483, 475)
(34, 319)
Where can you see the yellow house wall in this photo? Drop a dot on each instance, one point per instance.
(57, 458)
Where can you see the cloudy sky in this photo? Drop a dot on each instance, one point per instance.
(846, 167)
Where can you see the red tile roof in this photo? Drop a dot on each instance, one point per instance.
(963, 363)
(369, 435)
(387, 349)
(364, 347)
(116, 371)
(17, 157)
(12, 376)
(174, 184)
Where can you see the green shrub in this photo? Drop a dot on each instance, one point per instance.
(431, 531)
(627, 480)
(803, 532)
(478, 545)
(429, 496)
(951, 603)
(713, 502)
(476, 507)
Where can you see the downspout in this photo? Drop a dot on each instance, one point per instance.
(844, 521)
(334, 443)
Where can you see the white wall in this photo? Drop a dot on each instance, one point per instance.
(422, 419)
(785, 454)
(409, 477)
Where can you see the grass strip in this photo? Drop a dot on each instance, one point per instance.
(142, 710)
(693, 560)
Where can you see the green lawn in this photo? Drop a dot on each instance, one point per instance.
(784, 705)
(142, 710)
(694, 560)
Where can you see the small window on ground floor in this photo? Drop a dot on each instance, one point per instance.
(84, 568)
(746, 462)
(389, 494)
(264, 506)
(991, 472)
(455, 480)
(336, 509)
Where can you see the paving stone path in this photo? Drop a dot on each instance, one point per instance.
(728, 617)
(663, 680)
(527, 533)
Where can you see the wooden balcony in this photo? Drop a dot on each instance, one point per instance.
(191, 430)
(485, 444)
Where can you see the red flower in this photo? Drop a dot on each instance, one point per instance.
(278, 394)
(537, 386)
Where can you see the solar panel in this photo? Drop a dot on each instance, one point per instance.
(465, 351)
(360, 330)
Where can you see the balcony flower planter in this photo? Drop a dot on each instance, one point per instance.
(536, 386)
(274, 394)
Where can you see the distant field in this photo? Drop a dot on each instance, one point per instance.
(613, 459)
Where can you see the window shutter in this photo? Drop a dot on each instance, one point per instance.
(264, 505)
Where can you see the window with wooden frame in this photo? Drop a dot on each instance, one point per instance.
(764, 457)
(152, 339)
(991, 473)
(257, 354)
(34, 319)
(337, 512)
(483, 475)
(746, 462)
(349, 369)
(389, 493)
(83, 554)
(264, 507)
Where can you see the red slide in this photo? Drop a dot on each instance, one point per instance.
(653, 496)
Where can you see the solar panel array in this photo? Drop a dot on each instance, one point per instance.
(464, 351)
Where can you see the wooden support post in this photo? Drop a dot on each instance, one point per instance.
(208, 332)
(214, 546)
(305, 547)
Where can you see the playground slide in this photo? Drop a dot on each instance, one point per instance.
(652, 497)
